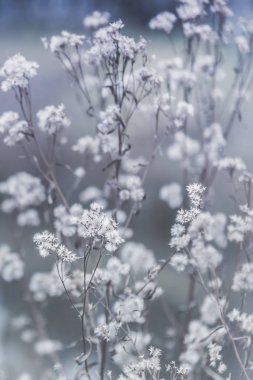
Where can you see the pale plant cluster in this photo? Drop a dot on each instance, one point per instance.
(109, 280)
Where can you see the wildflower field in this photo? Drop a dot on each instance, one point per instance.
(126, 242)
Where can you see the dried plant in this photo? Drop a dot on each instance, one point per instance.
(107, 278)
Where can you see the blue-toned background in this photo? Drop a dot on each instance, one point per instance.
(50, 14)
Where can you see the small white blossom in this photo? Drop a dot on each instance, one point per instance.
(47, 243)
(28, 217)
(11, 265)
(96, 20)
(195, 193)
(52, 119)
(88, 145)
(140, 259)
(13, 129)
(16, 72)
(172, 195)
(47, 346)
(99, 226)
(179, 262)
(163, 21)
(23, 190)
(231, 164)
(57, 44)
(130, 310)
(242, 44)
(44, 285)
(243, 279)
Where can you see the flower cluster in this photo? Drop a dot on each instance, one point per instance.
(163, 21)
(52, 119)
(48, 244)
(13, 129)
(16, 72)
(187, 105)
(100, 227)
(96, 20)
(11, 265)
(58, 44)
(23, 190)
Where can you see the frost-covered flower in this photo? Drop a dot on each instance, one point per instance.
(11, 265)
(149, 78)
(205, 65)
(163, 21)
(240, 225)
(214, 142)
(47, 346)
(109, 119)
(66, 221)
(12, 128)
(118, 270)
(110, 45)
(57, 44)
(203, 31)
(89, 146)
(140, 259)
(99, 226)
(96, 20)
(131, 188)
(210, 311)
(16, 72)
(195, 193)
(210, 227)
(138, 368)
(214, 353)
(125, 351)
(24, 190)
(130, 309)
(52, 119)
(91, 193)
(221, 6)
(187, 216)
(28, 217)
(197, 330)
(231, 164)
(244, 320)
(179, 261)
(243, 279)
(43, 285)
(189, 9)
(48, 244)
(107, 331)
(172, 195)
(184, 146)
(242, 44)
(205, 256)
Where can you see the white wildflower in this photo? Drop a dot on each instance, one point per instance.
(47, 346)
(28, 217)
(13, 129)
(16, 72)
(57, 44)
(140, 259)
(24, 190)
(52, 119)
(163, 21)
(11, 265)
(96, 20)
(99, 226)
(172, 195)
(47, 243)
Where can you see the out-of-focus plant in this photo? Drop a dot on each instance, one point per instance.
(107, 278)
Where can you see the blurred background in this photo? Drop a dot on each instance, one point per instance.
(22, 24)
